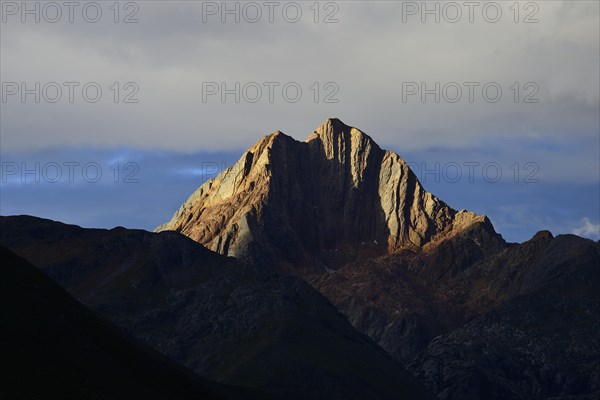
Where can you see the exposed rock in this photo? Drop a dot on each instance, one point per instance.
(316, 205)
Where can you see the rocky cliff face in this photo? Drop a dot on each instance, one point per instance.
(316, 205)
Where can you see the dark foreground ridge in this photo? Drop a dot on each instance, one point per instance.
(54, 348)
(229, 323)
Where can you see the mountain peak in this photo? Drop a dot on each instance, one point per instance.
(543, 235)
(333, 124)
(334, 133)
(316, 204)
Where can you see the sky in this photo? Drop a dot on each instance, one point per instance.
(496, 105)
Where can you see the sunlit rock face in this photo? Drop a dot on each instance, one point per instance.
(317, 204)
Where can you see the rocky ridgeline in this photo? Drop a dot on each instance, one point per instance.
(316, 205)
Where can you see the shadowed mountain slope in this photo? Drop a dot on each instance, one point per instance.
(518, 321)
(227, 322)
(54, 348)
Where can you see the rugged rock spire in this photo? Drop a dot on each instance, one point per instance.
(316, 204)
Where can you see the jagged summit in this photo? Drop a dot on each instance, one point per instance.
(334, 130)
(316, 204)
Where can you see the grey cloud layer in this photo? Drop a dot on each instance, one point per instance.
(368, 54)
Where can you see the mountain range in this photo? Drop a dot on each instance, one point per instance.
(323, 269)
